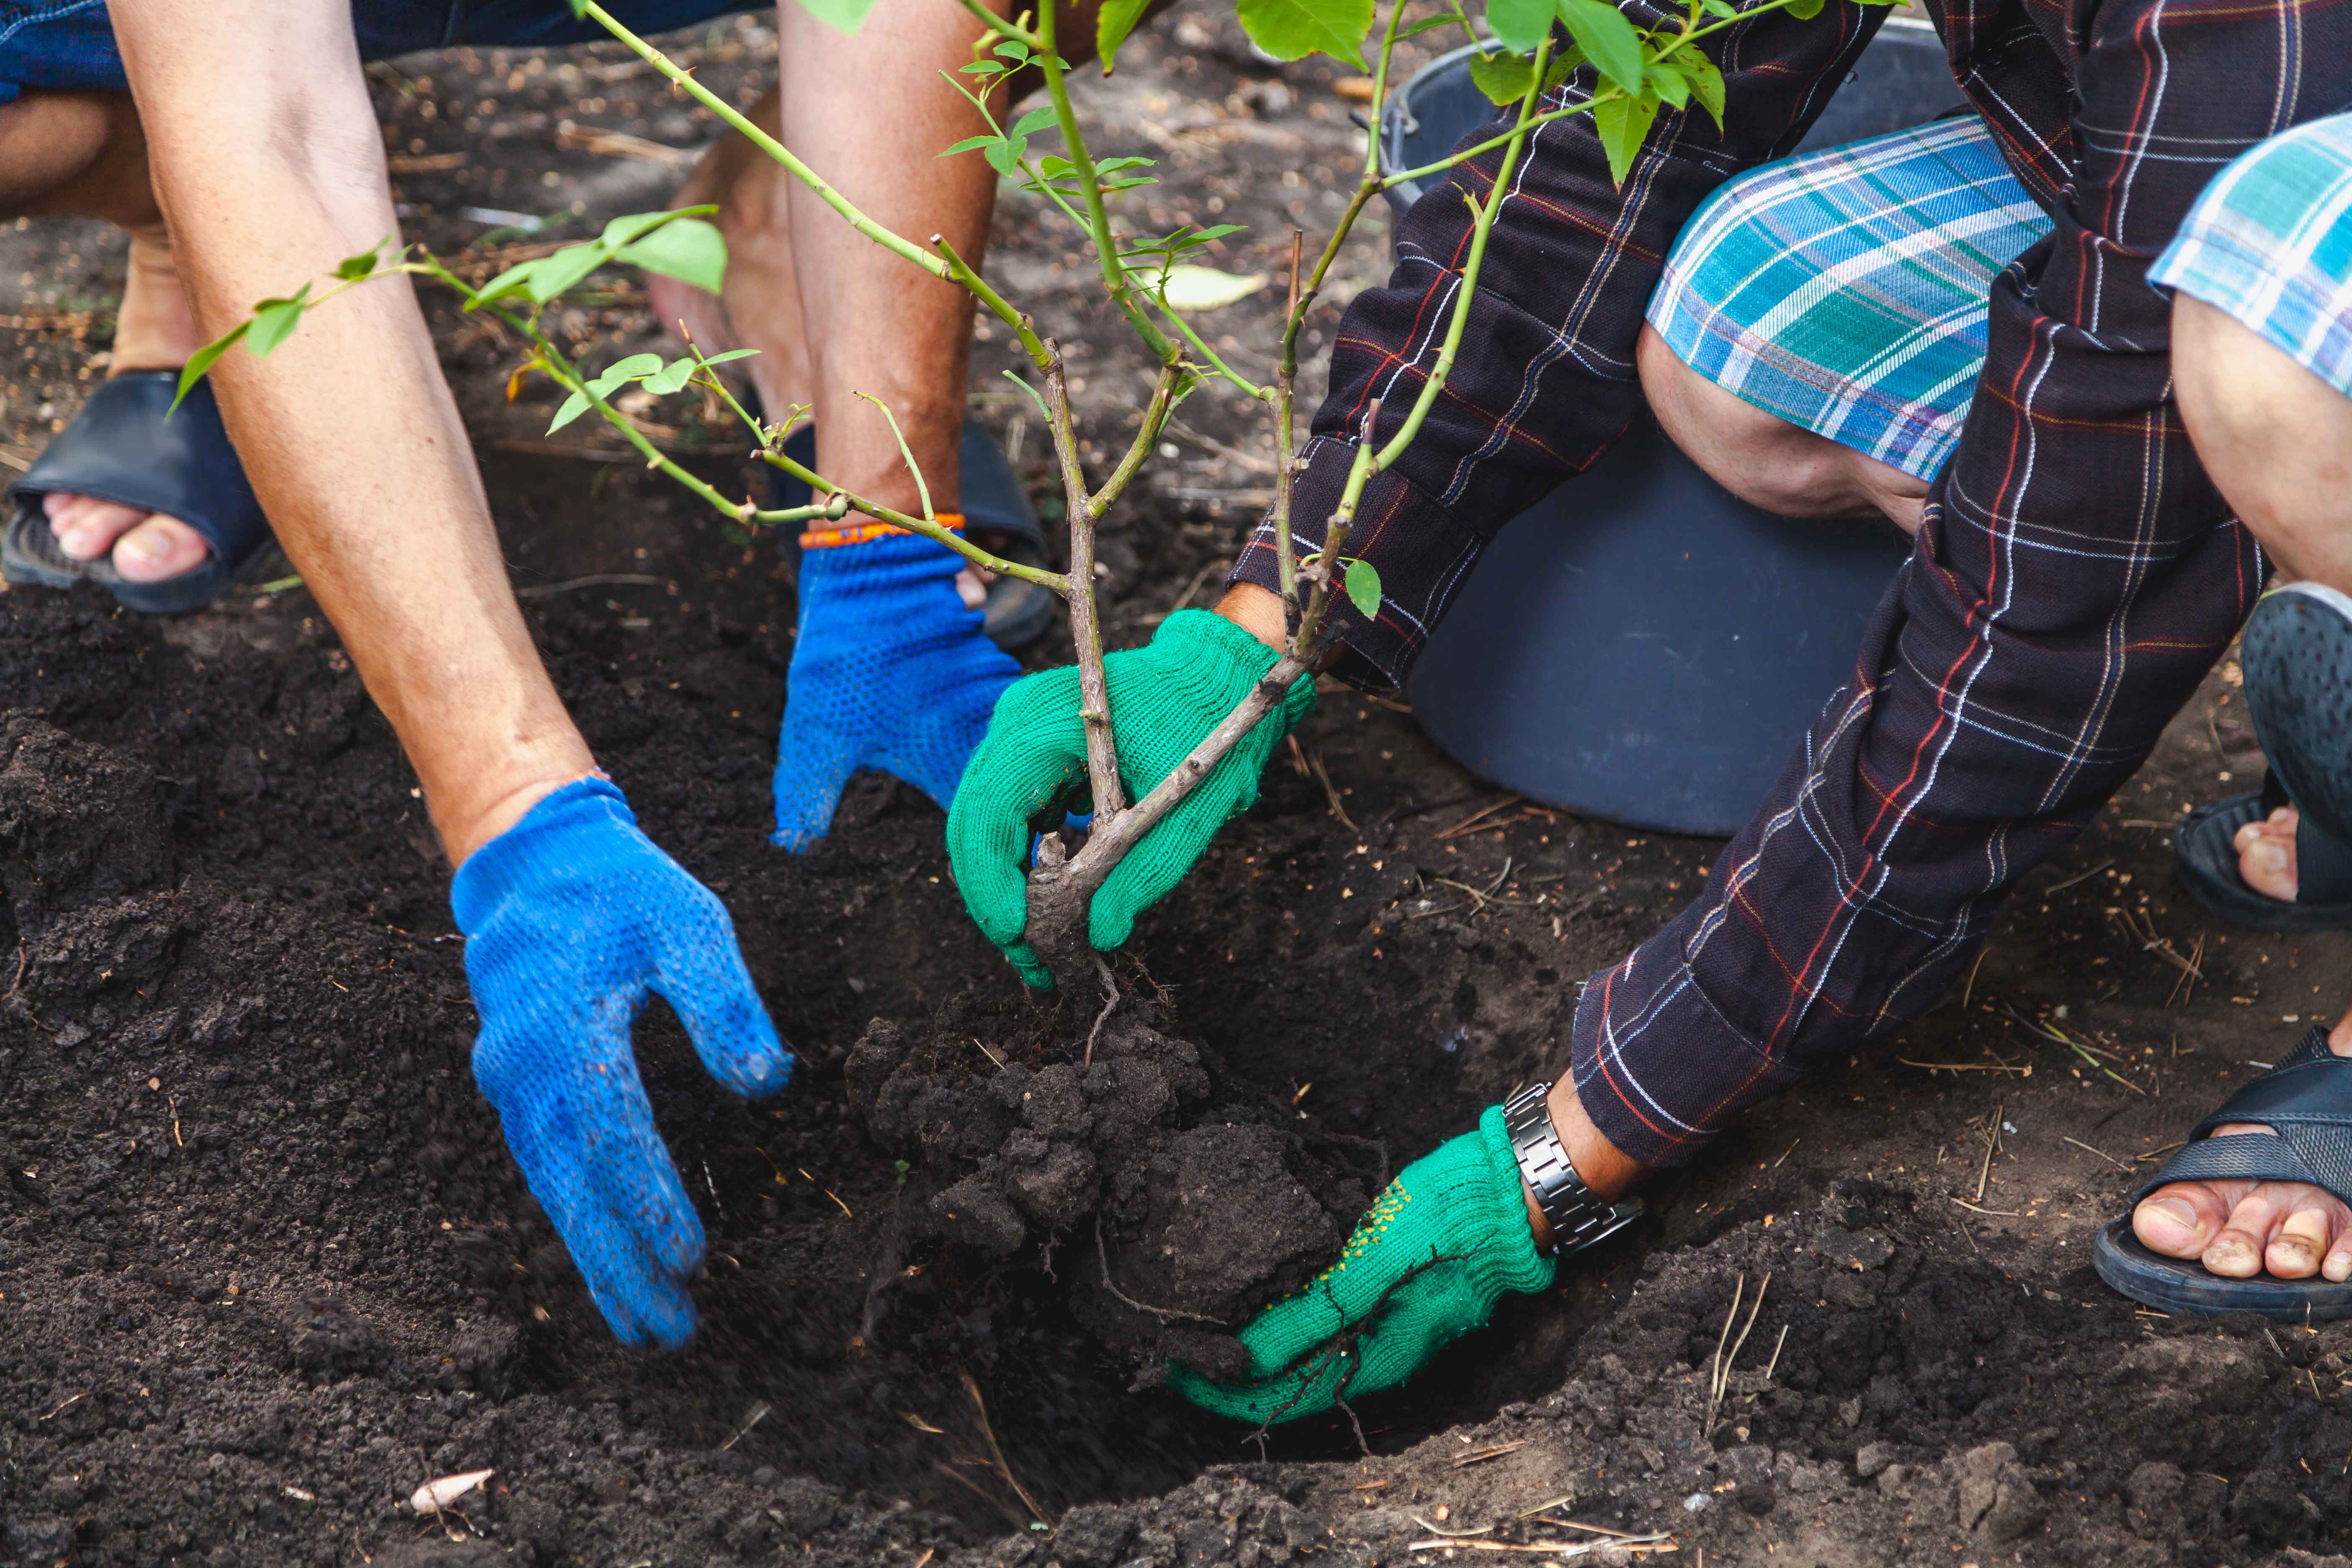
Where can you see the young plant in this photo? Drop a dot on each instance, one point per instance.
(1534, 59)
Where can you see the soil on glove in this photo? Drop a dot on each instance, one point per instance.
(266, 1267)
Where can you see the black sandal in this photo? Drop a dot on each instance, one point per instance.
(2297, 656)
(2306, 1100)
(123, 448)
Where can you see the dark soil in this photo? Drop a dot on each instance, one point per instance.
(265, 1266)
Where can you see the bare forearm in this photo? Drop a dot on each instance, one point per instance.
(354, 446)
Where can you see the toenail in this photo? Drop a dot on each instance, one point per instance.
(2271, 856)
(148, 547)
(2177, 1210)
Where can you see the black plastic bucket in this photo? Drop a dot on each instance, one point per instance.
(1642, 646)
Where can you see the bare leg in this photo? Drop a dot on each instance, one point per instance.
(80, 154)
(2278, 442)
(1762, 458)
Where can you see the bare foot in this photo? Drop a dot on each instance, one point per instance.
(153, 331)
(2266, 855)
(2238, 1229)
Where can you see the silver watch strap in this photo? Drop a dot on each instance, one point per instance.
(1578, 1218)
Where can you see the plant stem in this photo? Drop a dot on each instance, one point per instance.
(907, 455)
(1085, 626)
(999, 306)
(1216, 361)
(924, 526)
(768, 144)
(1155, 417)
(1082, 164)
(1285, 375)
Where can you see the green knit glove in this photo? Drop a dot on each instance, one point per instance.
(1163, 698)
(1460, 1204)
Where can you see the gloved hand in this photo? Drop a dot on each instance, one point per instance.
(574, 918)
(1373, 1318)
(1163, 698)
(890, 671)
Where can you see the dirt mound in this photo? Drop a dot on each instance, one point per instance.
(1177, 1210)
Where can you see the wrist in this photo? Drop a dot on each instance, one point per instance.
(481, 812)
(1257, 611)
(1606, 1174)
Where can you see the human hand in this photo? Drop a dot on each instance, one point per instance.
(1163, 698)
(890, 670)
(1424, 1268)
(572, 919)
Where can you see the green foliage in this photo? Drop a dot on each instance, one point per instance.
(1293, 29)
(1520, 25)
(844, 14)
(1504, 78)
(1706, 83)
(1611, 43)
(1112, 24)
(658, 378)
(1363, 582)
(1622, 122)
(678, 245)
(1156, 256)
(203, 359)
(273, 320)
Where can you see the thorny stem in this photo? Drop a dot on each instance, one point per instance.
(924, 526)
(1023, 328)
(1285, 375)
(1085, 626)
(1216, 361)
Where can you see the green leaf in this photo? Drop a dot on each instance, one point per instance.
(1112, 24)
(1013, 49)
(969, 143)
(688, 249)
(1521, 24)
(1292, 29)
(353, 268)
(551, 275)
(1503, 78)
(1563, 66)
(1004, 156)
(1623, 123)
(515, 279)
(1430, 23)
(201, 360)
(1031, 123)
(1364, 588)
(622, 230)
(1611, 43)
(573, 407)
(671, 376)
(273, 321)
(731, 353)
(1718, 8)
(1805, 10)
(1707, 86)
(844, 16)
(1668, 82)
(622, 371)
(982, 68)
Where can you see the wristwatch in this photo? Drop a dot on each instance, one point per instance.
(1578, 1218)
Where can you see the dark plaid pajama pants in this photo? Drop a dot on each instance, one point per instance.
(2076, 576)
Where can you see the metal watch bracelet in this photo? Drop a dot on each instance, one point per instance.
(1577, 1219)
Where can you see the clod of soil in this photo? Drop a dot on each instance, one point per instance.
(1178, 1210)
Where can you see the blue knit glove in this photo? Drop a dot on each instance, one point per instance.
(890, 671)
(573, 918)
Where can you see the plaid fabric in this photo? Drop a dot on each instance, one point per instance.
(2077, 575)
(1845, 291)
(2271, 242)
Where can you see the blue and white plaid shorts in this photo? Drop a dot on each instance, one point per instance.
(1846, 290)
(2270, 242)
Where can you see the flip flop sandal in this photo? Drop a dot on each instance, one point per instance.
(2307, 1099)
(2205, 856)
(2297, 657)
(993, 503)
(121, 448)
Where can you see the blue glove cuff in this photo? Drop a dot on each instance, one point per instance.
(507, 863)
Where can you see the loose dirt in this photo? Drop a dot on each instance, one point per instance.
(265, 1266)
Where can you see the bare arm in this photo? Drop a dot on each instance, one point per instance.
(269, 168)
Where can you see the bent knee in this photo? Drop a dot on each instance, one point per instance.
(1763, 458)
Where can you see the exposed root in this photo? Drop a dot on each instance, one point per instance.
(1102, 1252)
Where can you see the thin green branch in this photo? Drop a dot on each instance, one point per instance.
(906, 454)
(1001, 308)
(1155, 418)
(927, 527)
(768, 144)
(1216, 363)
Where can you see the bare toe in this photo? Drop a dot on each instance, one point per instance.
(2306, 1234)
(2178, 1220)
(159, 548)
(2266, 855)
(2237, 1252)
(85, 528)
